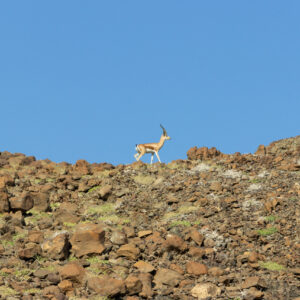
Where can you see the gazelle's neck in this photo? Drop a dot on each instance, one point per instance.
(161, 141)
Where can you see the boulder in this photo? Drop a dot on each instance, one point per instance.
(106, 286)
(23, 202)
(88, 239)
(57, 247)
(72, 271)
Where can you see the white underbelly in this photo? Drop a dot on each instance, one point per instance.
(150, 151)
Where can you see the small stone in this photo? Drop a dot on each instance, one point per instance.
(254, 293)
(197, 237)
(129, 251)
(167, 277)
(196, 268)
(30, 251)
(106, 286)
(205, 290)
(146, 280)
(144, 233)
(105, 191)
(144, 267)
(41, 273)
(253, 281)
(72, 271)
(57, 247)
(197, 252)
(216, 186)
(253, 257)
(118, 238)
(65, 285)
(177, 269)
(133, 284)
(35, 236)
(215, 271)
(174, 242)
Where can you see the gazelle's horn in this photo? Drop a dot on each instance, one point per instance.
(165, 133)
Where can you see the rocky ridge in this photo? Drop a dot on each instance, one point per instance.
(214, 226)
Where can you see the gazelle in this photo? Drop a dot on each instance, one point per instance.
(151, 147)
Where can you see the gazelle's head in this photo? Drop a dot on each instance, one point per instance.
(165, 135)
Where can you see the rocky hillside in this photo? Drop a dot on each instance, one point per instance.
(214, 226)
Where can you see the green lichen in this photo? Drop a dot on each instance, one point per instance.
(272, 266)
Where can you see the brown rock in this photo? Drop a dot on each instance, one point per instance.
(133, 284)
(216, 186)
(82, 167)
(254, 293)
(73, 272)
(135, 298)
(196, 268)
(167, 277)
(129, 251)
(23, 202)
(197, 252)
(35, 236)
(253, 281)
(215, 271)
(118, 238)
(6, 180)
(155, 238)
(261, 150)
(205, 291)
(144, 267)
(64, 216)
(144, 233)
(105, 191)
(17, 218)
(4, 203)
(41, 201)
(30, 251)
(146, 280)
(129, 231)
(66, 285)
(197, 237)
(106, 286)
(270, 205)
(57, 247)
(176, 268)
(253, 257)
(174, 242)
(202, 153)
(53, 292)
(88, 239)
(41, 273)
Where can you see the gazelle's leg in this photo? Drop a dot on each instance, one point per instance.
(141, 154)
(157, 156)
(136, 155)
(139, 157)
(152, 157)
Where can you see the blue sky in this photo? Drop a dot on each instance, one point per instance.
(90, 79)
